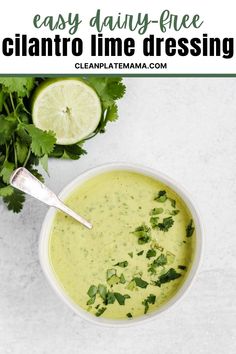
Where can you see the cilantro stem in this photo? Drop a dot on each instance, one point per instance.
(27, 158)
(17, 117)
(7, 152)
(12, 102)
(15, 154)
(6, 108)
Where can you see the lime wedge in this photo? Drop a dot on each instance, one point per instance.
(69, 107)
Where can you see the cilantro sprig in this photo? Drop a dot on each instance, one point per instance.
(23, 144)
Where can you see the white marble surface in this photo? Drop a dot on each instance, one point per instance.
(187, 129)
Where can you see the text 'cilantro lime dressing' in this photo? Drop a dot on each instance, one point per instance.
(138, 253)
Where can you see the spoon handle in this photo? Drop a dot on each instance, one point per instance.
(23, 180)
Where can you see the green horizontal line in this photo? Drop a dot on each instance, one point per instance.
(118, 74)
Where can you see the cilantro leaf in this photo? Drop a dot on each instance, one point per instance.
(58, 151)
(171, 274)
(174, 212)
(36, 173)
(158, 262)
(140, 282)
(100, 311)
(123, 264)
(6, 191)
(2, 99)
(114, 279)
(74, 152)
(140, 253)
(121, 298)
(122, 279)
(172, 202)
(161, 197)
(112, 113)
(22, 150)
(21, 85)
(15, 201)
(182, 267)
(151, 299)
(129, 315)
(110, 273)
(102, 291)
(42, 142)
(110, 298)
(131, 286)
(156, 211)
(108, 89)
(7, 127)
(151, 253)
(161, 260)
(154, 221)
(143, 234)
(6, 171)
(190, 229)
(91, 301)
(166, 224)
(92, 291)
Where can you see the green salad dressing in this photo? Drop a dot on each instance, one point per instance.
(138, 253)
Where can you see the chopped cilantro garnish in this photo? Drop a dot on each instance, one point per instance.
(166, 224)
(100, 311)
(190, 229)
(110, 272)
(140, 253)
(156, 211)
(174, 212)
(154, 221)
(182, 267)
(172, 202)
(161, 197)
(160, 261)
(171, 274)
(140, 282)
(121, 298)
(102, 291)
(151, 299)
(92, 291)
(129, 315)
(131, 286)
(143, 234)
(91, 300)
(114, 279)
(110, 298)
(151, 253)
(131, 254)
(121, 264)
(122, 279)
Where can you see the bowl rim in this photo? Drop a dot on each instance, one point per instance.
(80, 179)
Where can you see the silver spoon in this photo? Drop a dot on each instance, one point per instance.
(23, 180)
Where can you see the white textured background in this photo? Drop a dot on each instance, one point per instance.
(185, 128)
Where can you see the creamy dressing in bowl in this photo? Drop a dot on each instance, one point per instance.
(137, 256)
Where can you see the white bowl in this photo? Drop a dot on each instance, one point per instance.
(47, 224)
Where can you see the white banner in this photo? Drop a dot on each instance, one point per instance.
(107, 37)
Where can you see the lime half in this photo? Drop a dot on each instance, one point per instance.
(69, 107)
